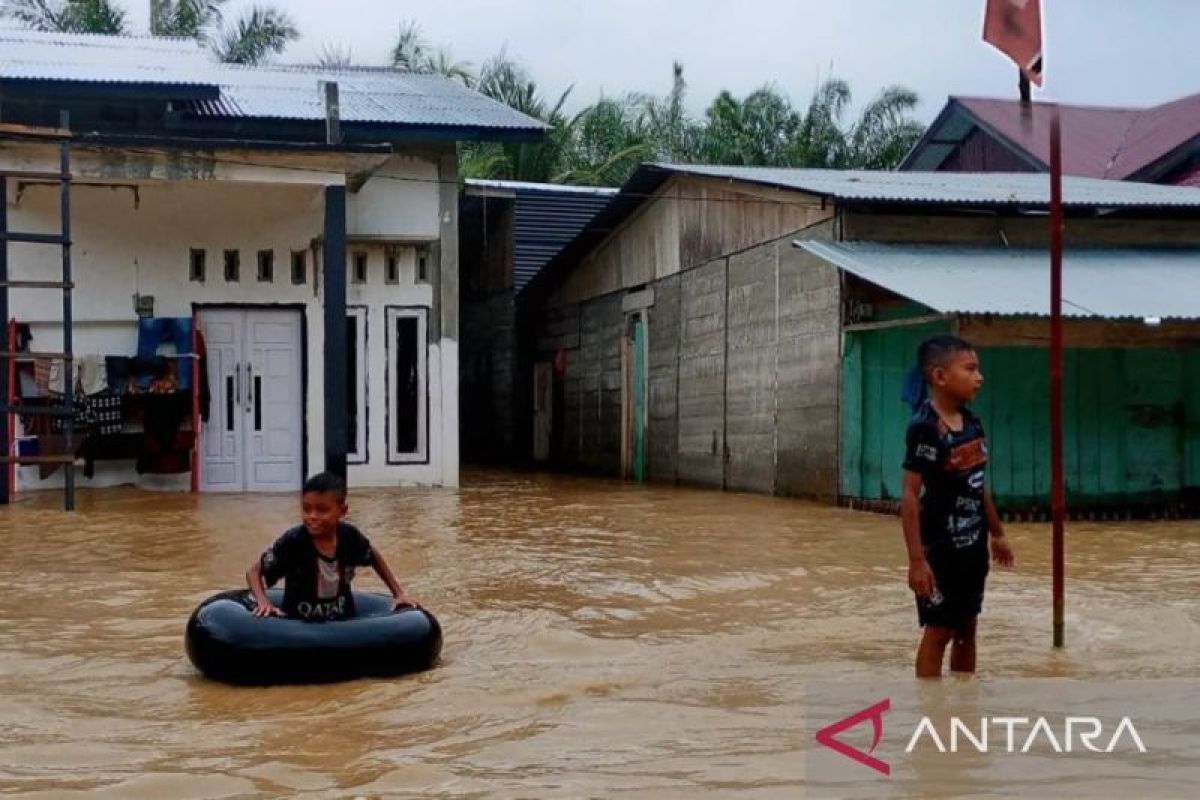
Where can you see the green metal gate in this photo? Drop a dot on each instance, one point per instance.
(1131, 421)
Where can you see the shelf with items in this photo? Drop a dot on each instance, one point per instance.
(143, 409)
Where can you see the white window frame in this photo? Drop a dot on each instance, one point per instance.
(357, 451)
(391, 315)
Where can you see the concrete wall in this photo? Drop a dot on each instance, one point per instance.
(135, 238)
(689, 221)
(743, 374)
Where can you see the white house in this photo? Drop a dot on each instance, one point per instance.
(270, 205)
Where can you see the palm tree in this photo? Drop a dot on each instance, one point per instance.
(444, 64)
(504, 80)
(757, 131)
(765, 130)
(884, 133)
(609, 141)
(412, 52)
(820, 141)
(259, 33)
(67, 16)
(191, 19)
(335, 56)
(673, 133)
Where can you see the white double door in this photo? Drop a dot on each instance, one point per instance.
(254, 438)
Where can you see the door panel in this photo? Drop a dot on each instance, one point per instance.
(254, 438)
(221, 469)
(273, 401)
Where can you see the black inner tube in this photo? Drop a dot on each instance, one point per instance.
(226, 642)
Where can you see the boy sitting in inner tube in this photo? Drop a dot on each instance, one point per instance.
(317, 560)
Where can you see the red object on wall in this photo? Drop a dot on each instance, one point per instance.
(1014, 27)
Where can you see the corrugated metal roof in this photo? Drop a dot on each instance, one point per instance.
(544, 221)
(1098, 141)
(366, 94)
(958, 188)
(1097, 282)
(33, 55)
(557, 188)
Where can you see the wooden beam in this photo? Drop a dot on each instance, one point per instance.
(31, 131)
(895, 323)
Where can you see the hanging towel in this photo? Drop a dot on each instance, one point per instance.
(93, 376)
(58, 382)
(41, 375)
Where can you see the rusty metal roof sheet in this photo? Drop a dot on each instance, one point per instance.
(1098, 141)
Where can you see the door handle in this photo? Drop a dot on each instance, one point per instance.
(237, 371)
(249, 386)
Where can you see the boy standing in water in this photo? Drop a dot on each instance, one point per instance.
(947, 509)
(317, 559)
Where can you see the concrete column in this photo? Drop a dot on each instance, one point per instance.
(446, 293)
(336, 429)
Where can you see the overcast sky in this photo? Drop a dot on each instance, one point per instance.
(1097, 51)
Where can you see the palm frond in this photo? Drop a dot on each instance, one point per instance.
(335, 56)
(67, 16)
(261, 32)
(187, 18)
(411, 50)
(444, 64)
(484, 160)
(40, 15)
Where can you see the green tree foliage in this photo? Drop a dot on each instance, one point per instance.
(191, 19)
(412, 52)
(605, 142)
(67, 16)
(261, 32)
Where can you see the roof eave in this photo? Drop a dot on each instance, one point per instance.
(310, 130)
(36, 88)
(633, 194)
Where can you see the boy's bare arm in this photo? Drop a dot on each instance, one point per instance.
(258, 588)
(1002, 552)
(920, 576)
(263, 605)
(387, 576)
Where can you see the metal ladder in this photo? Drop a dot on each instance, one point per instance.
(9, 393)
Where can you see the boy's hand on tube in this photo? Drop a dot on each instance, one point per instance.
(403, 600)
(268, 610)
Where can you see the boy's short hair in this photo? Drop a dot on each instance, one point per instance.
(934, 351)
(326, 482)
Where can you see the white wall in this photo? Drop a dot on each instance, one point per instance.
(136, 239)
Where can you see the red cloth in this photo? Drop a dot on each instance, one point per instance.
(1014, 27)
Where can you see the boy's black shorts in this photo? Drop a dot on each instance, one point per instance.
(960, 577)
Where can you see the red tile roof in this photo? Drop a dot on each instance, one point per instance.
(1098, 141)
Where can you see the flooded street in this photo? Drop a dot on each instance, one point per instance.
(601, 640)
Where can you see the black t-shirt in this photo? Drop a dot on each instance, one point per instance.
(951, 465)
(316, 587)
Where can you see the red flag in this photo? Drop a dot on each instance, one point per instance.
(1014, 27)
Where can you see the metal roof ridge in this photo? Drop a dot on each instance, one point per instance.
(87, 36)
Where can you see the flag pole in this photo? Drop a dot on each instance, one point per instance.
(1057, 494)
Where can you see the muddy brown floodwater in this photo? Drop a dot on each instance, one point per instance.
(602, 640)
